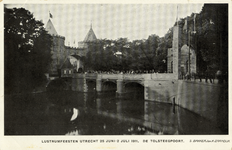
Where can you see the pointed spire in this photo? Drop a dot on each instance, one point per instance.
(50, 28)
(90, 35)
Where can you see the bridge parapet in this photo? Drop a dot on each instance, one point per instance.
(151, 76)
(110, 76)
(78, 75)
(91, 75)
(167, 76)
(133, 77)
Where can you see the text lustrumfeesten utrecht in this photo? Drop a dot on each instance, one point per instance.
(69, 141)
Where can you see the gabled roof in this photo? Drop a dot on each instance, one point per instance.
(90, 36)
(76, 56)
(50, 28)
(66, 64)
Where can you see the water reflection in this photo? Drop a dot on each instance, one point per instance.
(73, 113)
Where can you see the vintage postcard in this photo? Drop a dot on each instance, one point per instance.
(115, 75)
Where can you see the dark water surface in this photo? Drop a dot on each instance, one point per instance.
(75, 113)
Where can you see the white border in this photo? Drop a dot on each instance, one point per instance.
(35, 142)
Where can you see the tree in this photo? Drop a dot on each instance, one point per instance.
(27, 51)
(212, 36)
(100, 55)
(210, 41)
(135, 55)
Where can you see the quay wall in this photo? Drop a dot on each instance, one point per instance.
(199, 97)
(160, 90)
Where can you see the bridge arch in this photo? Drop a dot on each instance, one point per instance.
(58, 85)
(109, 85)
(127, 83)
(91, 85)
(135, 90)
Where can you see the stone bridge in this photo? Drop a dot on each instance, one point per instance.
(148, 81)
(201, 98)
(192, 95)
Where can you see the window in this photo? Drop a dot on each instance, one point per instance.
(187, 66)
(172, 66)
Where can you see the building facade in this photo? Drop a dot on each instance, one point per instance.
(184, 60)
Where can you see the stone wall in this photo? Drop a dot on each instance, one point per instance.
(199, 97)
(160, 90)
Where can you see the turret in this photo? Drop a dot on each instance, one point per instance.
(90, 37)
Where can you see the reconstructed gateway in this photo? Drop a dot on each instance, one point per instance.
(199, 97)
(62, 53)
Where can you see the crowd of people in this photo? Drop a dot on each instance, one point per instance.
(123, 72)
(207, 75)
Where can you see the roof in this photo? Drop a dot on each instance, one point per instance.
(76, 56)
(50, 28)
(90, 36)
(66, 64)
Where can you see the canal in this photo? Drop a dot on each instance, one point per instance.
(76, 113)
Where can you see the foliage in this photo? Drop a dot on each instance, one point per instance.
(123, 55)
(27, 48)
(208, 36)
(210, 39)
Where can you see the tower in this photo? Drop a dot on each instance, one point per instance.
(176, 52)
(57, 50)
(50, 28)
(90, 37)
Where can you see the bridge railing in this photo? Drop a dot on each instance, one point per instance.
(91, 75)
(162, 76)
(110, 76)
(148, 76)
(151, 76)
(133, 76)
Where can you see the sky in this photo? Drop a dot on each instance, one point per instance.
(110, 21)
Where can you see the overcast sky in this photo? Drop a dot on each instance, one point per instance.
(111, 21)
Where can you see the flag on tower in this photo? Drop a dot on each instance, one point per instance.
(50, 15)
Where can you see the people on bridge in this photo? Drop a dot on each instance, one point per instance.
(219, 76)
(187, 76)
(124, 71)
(208, 75)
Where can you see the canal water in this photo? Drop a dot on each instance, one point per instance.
(77, 113)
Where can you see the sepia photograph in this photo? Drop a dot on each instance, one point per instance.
(81, 69)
